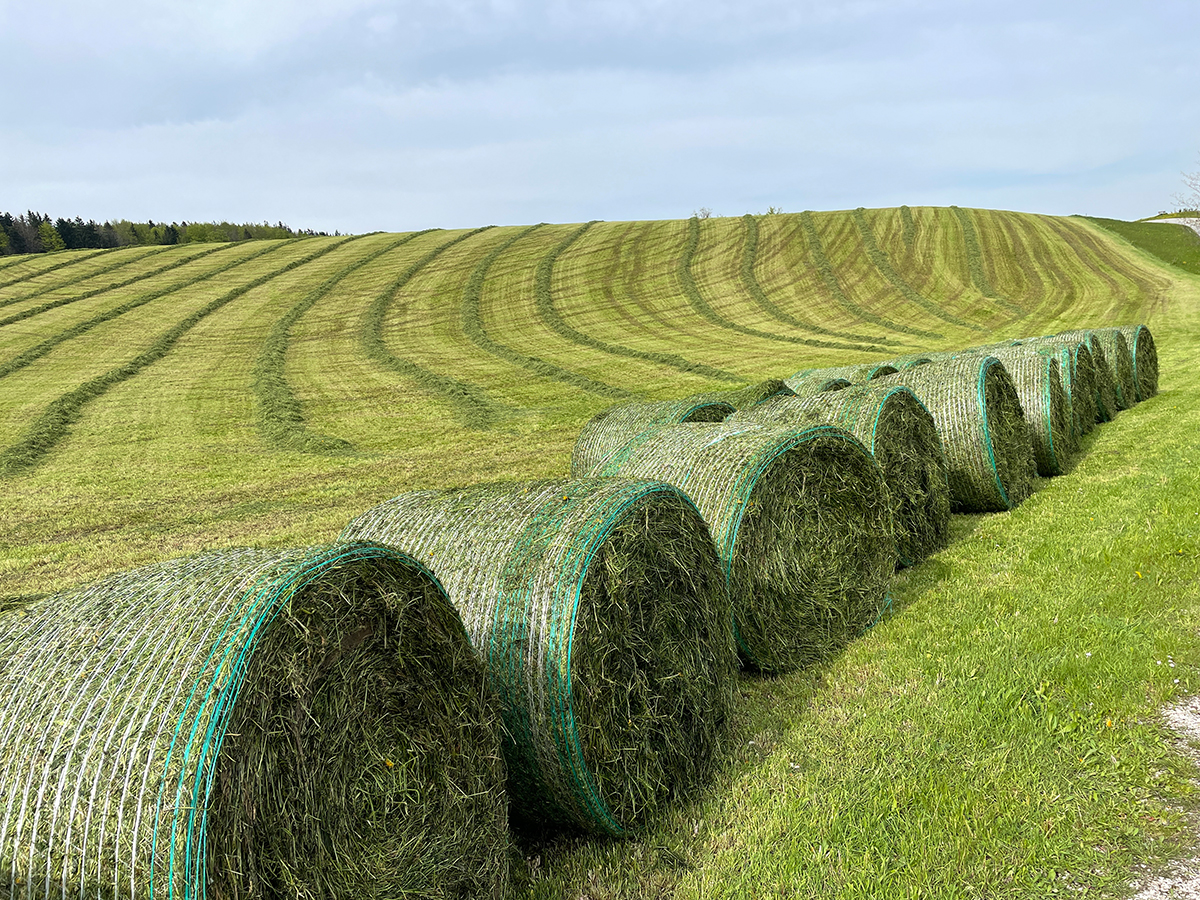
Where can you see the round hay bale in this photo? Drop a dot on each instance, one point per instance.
(247, 724)
(608, 431)
(852, 374)
(1116, 351)
(745, 397)
(1144, 356)
(1103, 377)
(978, 415)
(900, 433)
(802, 522)
(1077, 372)
(900, 363)
(818, 383)
(600, 611)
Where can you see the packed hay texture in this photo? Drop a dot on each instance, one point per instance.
(1103, 375)
(1045, 404)
(900, 433)
(1077, 372)
(900, 363)
(609, 431)
(600, 611)
(746, 397)
(818, 383)
(979, 418)
(1144, 356)
(852, 374)
(1120, 359)
(294, 724)
(801, 519)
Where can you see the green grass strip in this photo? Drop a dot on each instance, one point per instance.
(124, 263)
(54, 424)
(908, 228)
(280, 414)
(979, 277)
(759, 296)
(95, 292)
(36, 352)
(550, 316)
(881, 262)
(471, 404)
(1178, 246)
(74, 260)
(825, 268)
(472, 320)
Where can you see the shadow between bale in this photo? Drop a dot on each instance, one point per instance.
(250, 723)
(1120, 359)
(802, 522)
(746, 397)
(599, 609)
(608, 431)
(1144, 358)
(1103, 376)
(852, 374)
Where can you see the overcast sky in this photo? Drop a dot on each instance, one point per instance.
(363, 115)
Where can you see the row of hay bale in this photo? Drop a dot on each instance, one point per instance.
(366, 718)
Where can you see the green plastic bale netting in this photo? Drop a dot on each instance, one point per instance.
(600, 611)
(1077, 372)
(900, 363)
(1045, 405)
(818, 383)
(801, 519)
(852, 374)
(747, 396)
(900, 433)
(253, 723)
(979, 418)
(1103, 377)
(608, 431)
(1144, 356)
(1120, 359)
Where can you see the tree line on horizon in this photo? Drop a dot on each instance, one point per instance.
(35, 232)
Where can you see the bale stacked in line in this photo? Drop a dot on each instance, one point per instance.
(1144, 356)
(608, 431)
(900, 363)
(1045, 405)
(1116, 351)
(802, 522)
(600, 611)
(1102, 373)
(819, 383)
(900, 433)
(1077, 373)
(852, 374)
(248, 724)
(978, 415)
(745, 397)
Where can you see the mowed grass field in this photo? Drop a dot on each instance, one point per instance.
(995, 735)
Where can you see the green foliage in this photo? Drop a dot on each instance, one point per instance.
(50, 238)
(1176, 245)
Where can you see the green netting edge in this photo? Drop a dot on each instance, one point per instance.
(988, 362)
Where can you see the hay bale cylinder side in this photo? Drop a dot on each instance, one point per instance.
(1144, 357)
(979, 418)
(804, 381)
(608, 431)
(1120, 359)
(1103, 374)
(802, 521)
(746, 397)
(250, 723)
(900, 433)
(600, 611)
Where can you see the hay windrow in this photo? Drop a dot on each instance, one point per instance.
(1144, 356)
(979, 418)
(600, 610)
(893, 424)
(745, 397)
(1116, 351)
(247, 724)
(1103, 377)
(802, 521)
(608, 431)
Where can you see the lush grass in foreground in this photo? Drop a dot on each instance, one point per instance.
(1176, 244)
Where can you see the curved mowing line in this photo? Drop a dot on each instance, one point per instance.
(550, 316)
(95, 292)
(825, 268)
(975, 265)
(471, 404)
(696, 300)
(280, 415)
(881, 262)
(29, 276)
(125, 263)
(54, 424)
(36, 352)
(759, 296)
(1097, 260)
(472, 322)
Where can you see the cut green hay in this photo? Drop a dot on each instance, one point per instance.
(1120, 359)
(801, 519)
(305, 724)
(900, 433)
(747, 397)
(900, 363)
(852, 374)
(802, 385)
(978, 416)
(1103, 375)
(1144, 356)
(600, 610)
(1077, 373)
(610, 430)
(1045, 405)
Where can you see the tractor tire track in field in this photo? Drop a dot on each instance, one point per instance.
(759, 296)
(881, 262)
(280, 413)
(95, 292)
(54, 424)
(472, 322)
(975, 265)
(702, 307)
(29, 276)
(550, 316)
(36, 352)
(834, 287)
(473, 408)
